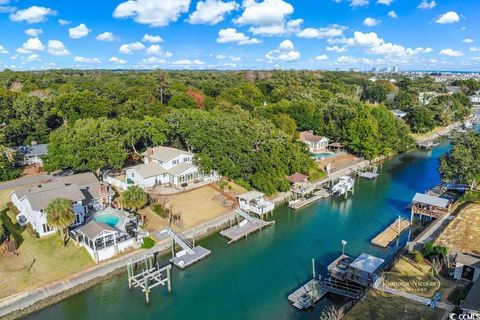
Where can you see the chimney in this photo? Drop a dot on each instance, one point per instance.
(149, 154)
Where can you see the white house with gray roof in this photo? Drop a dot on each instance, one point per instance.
(162, 166)
(84, 190)
(32, 154)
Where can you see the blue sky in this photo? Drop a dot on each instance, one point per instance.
(242, 34)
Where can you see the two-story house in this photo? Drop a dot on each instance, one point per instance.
(162, 166)
(84, 190)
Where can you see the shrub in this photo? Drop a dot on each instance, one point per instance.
(417, 256)
(159, 210)
(148, 243)
(242, 183)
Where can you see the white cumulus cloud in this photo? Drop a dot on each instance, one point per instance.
(385, 2)
(451, 53)
(425, 5)
(152, 39)
(232, 35)
(32, 44)
(117, 60)
(33, 14)
(57, 48)
(268, 17)
(392, 14)
(3, 50)
(129, 48)
(285, 52)
(320, 33)
(321, 57)
(211, 11)
(33, 32)
(105, 36)
(155, 13)
(467, 40)
(371, 22)
(448, 17)
(79, 31)
(87, 60)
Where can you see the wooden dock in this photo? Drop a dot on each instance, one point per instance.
(307, 295)
(368, 175)
(384, 238)
(300, 203)
(248, 225)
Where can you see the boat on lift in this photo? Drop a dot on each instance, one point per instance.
(344, 184)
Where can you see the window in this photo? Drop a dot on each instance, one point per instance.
(186, 159)
(174, 162)
(46, 228)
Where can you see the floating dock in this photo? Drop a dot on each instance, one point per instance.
(307, 295)
(189, 253)
(248, 225)
(384, 238)
(368, 175)
(302, 202)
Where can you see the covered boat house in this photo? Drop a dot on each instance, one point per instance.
(301, 187)
(429, 206)
(254, 202)
(361, 271)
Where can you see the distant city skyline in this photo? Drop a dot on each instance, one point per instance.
(249, 34)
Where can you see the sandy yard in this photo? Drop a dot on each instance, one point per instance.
(195, 207)
(463, 233)
(339, 162)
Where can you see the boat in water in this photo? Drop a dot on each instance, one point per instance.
(344, 184)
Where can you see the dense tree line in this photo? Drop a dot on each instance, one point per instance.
(462, 163)
(243, 124)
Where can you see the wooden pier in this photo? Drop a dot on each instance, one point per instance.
(302, 202)
(248, 225)
(150, 277)
(369, 173)
(384, 238)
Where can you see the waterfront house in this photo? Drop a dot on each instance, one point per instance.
(361, 271)
(84, 190)
(467, 267)
(429, 206)
(399, 113)
(103, 241)
(32, 154)
(254, 202)
(162, 166)
(315, 143)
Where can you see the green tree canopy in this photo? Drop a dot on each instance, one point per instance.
(60, 215)
(134, 198)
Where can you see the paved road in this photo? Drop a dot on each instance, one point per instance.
(24, 181)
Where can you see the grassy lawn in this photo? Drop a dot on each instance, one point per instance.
(379, 307)
(4, 198)
(47, 260)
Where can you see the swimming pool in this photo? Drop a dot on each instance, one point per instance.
(323, 155)
(109, 219)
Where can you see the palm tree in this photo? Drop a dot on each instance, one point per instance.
(134, 198)
(60, 215)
